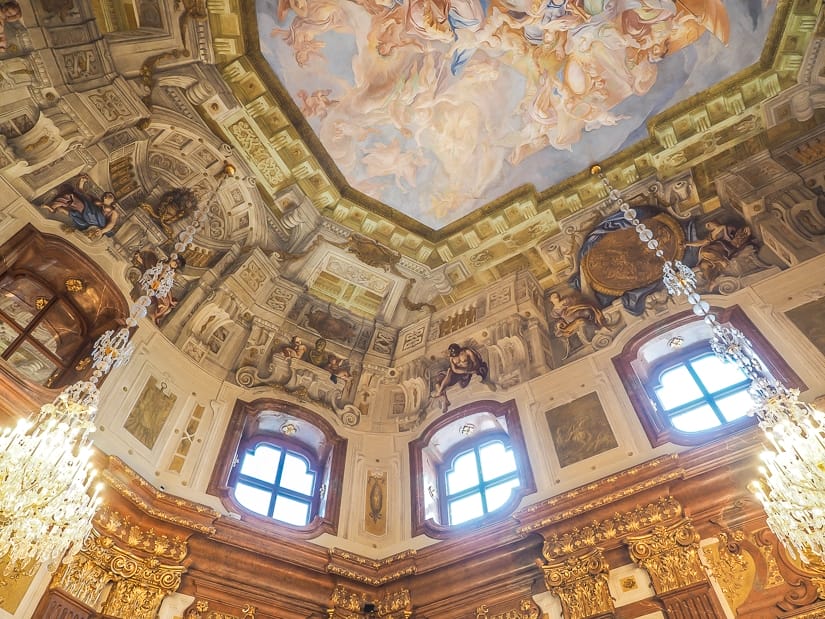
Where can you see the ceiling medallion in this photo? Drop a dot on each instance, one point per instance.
(467, 429)
(40, 303)
(75, 284)
(289, 428)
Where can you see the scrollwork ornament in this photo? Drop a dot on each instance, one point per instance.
(125, 567)
(670, 555)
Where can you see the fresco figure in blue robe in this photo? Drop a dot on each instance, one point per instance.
(96, 217)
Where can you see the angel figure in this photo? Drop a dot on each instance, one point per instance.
(94, 216)
(296, 349)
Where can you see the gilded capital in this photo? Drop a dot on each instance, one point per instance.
(581, 584)
(670, 554)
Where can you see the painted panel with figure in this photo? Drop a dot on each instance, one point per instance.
(150, 413)
(437, 107)
(580, 430)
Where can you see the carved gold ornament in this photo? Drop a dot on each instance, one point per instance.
(75, 285)
(580, 582)
(615, 527)
(731, 566)
(670, 554)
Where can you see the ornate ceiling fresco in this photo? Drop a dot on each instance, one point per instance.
(436, 108)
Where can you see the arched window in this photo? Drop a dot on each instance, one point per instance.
(468, 468)
(54, 303)
(478, 479)
(41, 331)
(700, 392)
(276, 479)
(682, 391)
(280, 467)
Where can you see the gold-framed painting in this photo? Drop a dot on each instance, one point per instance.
(580, 430)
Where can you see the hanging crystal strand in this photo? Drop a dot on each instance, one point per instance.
(792, 490)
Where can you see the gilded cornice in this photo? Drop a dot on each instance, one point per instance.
(390, 605)
(595, 492)
(605, 500)
(373, 564)
(526, 609)
(235, 38)
(155, 503)
(111, 522)
(816, 613)
(370, 571)
(614, 528)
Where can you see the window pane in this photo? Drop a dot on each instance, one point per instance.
(33, 363)
(677, 387)
(464, 473)
(296, 477)
(496, 460)
(735, 405)
(291, 511)
(499, 494)
(468, 508)
(7, 335)
(262, 463)
(253, 499)
(715, 374)
(58, 331)
(20, 298)
(696, 420)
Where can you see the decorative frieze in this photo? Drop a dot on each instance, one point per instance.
(616, 527)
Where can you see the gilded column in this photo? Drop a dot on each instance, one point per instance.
(581, 583)
(670, 554)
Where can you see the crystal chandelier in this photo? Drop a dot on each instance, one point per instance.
(792, 485)
(45, 462)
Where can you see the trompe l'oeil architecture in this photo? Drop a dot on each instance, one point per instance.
(402, 354)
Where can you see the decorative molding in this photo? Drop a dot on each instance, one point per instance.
(115, 524)
(618, 526)
(604, 500)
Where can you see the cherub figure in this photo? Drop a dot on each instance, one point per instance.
(338, 369)
(316, 103)
(94, 216)
(464, 363)
(296, 349)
